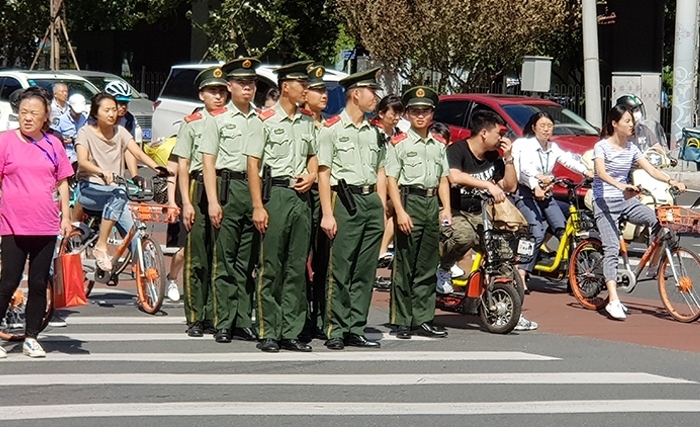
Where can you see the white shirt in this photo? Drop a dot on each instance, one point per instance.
(533, 161)
(57, 110)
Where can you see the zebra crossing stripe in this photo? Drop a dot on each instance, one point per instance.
(129, 337)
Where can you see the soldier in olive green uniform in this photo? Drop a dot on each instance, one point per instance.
(230, 207)
(316, 101)
(352, 186)
(417, 171)
(287, 157)
(199, 245)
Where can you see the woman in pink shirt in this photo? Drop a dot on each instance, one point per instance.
(33, 171)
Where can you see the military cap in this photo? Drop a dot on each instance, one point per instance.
(294, 71)
(243, 68)
(420, 96)
(364, 79)
(212, 76)
(316, 73)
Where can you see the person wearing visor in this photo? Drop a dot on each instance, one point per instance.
(69, 123)
(352, 187)
(316, 102)
(10, 121)
(417, 171)
(286, 157)
(195, 214)
(230, 210)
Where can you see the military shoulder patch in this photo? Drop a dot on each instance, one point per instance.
(258, 111)
(264, 115)
(306, 112)
(193, 117)
(438, 138)
(219, 111)
(398, 138)
(374, 122)
(331, 121)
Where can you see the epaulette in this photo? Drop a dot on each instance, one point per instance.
(218, 111)
(398, 138)
(306, 112)
(331, 121)
(374, 122)
(193, 117)
(267, 114)
(438, 137)
(258, 111)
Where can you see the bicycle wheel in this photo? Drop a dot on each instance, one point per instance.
(678, 291)
(68, 245)
(508, 270)
(586, 275)
(12, 327)
(150, 283)
(503, 316)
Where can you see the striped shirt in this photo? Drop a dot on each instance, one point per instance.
(618, 164)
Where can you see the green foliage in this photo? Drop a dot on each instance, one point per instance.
(21, 22)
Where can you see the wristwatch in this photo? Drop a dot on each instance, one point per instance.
(508, 161)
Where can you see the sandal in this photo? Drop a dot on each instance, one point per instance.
(102, 261)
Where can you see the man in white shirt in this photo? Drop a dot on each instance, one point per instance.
(59, 104)
(70, 122)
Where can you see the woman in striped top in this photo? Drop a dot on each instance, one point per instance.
(614, 157)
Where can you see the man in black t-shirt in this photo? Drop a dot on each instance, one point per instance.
(474, 163)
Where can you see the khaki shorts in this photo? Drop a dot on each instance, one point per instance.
(463, 235)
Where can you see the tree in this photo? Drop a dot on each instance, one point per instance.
(20, 24)
(469, 43)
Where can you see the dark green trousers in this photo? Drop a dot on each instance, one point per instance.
(281, 287)
(316, 279)
(415, 263)
(353, 264)
(235, 256)
(198, 259)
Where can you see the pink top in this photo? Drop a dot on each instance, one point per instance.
(29, 172)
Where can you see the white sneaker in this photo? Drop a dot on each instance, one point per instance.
(57, 322)
(32, 348)
(445, 288)
(616, 310)
(652, 272)
(624, 307)
(444, 279)
(173, 293)
(3, 353)
(456, 271)
(526, 325)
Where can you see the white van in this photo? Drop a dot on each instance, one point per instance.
(179, 96)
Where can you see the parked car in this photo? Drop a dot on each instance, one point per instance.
(571, 132)
(11, 80)
(179, 96)
(140, 106)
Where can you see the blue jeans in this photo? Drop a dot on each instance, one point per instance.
(111, 200)
(539, 214)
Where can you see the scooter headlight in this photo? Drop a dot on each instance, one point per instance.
(655, 159)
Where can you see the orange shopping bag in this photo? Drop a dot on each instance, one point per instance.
(68, 290)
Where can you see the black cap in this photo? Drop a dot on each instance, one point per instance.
(294, 71)
(364, 79)
(420, 96)
(212, 76)
(316, 74)
(241, 68)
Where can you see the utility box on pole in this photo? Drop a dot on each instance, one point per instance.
(646, 86)
(536, 74)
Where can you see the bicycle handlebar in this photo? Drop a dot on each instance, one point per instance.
(135, 192)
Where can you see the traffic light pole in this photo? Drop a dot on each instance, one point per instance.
(591, 66)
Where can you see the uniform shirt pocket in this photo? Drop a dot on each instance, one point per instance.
(413, 169)
(346, 153)
(279, 146)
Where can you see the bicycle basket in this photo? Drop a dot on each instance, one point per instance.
(509, 246)
(679, 219)
(160, 190)
(154, 213)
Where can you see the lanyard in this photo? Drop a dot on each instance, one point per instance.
(53, 159)
(545, 164)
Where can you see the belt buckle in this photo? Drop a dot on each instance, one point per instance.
(430, 192)
(365, 190)
(292, 182)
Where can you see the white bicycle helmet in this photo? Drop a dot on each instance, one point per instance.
(120, 90)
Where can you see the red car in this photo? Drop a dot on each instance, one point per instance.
(571, 132)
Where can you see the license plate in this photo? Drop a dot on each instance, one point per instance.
(146, 134)
(526, 247)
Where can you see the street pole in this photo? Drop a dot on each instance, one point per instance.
(53, 36)
(591, 66)
(685, 60)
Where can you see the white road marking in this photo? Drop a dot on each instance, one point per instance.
(199, 409)
(125, 320)
(346, 356)
(339, 380)
(62, 337)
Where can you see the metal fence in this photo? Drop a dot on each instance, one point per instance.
(149, 82)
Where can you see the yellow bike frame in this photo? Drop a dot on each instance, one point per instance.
(563, 249)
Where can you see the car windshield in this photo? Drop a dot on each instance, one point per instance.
(566, 122)
(74, 86)
(102, 81)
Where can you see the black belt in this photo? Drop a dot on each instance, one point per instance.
(314, 186)
(284, 182)
(424, 192)
(358, 189)
(195, 174)
(229, 174)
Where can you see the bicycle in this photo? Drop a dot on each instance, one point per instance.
(13, 325)
(148, 261)
(588, 284)
(493, 289)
